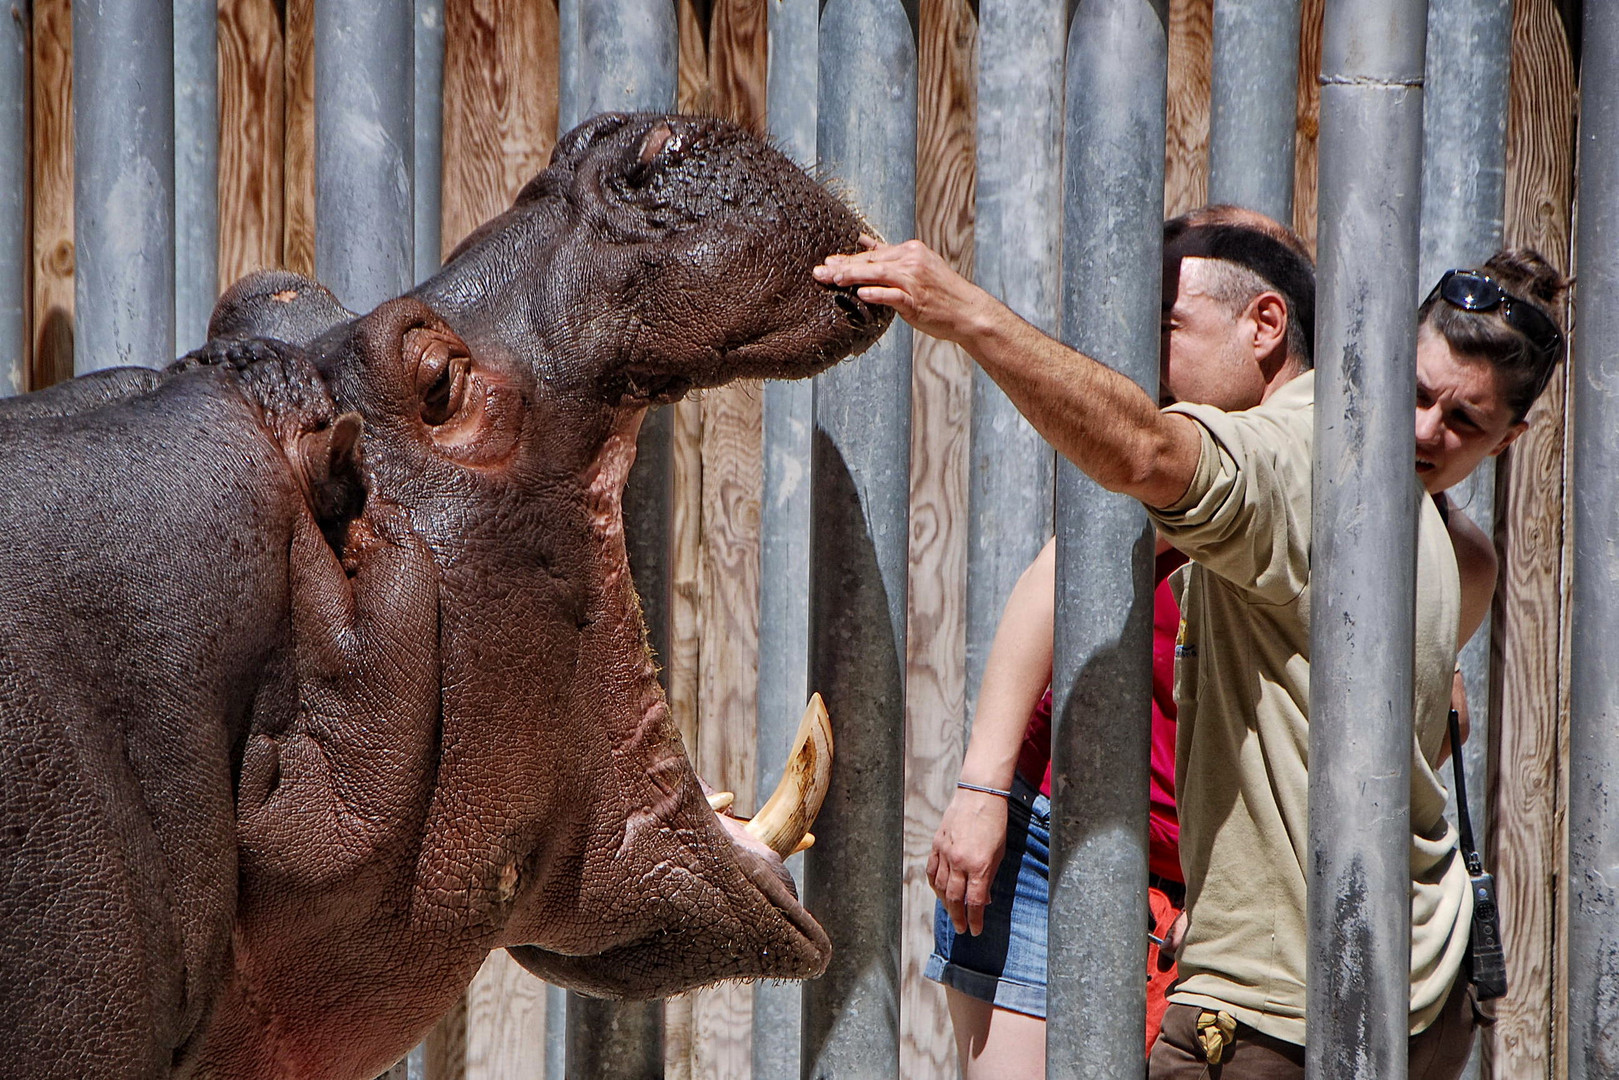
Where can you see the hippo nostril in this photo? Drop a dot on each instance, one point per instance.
(852, 309)
(655, 142)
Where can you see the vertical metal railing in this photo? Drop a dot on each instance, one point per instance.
(860, 476)
(428, 143)
(1097, 948)
(1363, 529)
(1464, 169)
(784, 527)
(15, 241)
(364, 153)
(196, 169)
(123, 183)
(626, 59)
(1593, 790)
(1253, 105)
(1018, 258)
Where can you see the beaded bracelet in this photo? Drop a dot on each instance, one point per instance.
(985, 790)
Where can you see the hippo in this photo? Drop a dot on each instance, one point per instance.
(322, 673)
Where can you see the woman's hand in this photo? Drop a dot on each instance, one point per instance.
(967, 851)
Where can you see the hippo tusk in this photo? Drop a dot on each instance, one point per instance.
(720, 801)
(782, 824)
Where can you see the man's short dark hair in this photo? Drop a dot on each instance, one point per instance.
(1272, 262)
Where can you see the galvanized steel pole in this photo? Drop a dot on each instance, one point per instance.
(784, 517)
(429, 137)
(1253, 105)
(1363, 530)
(196, 169)
(1593, 790)
(1018, 258)
(15, 241)
(1464, 171)
(859, 540)
(1101, 732)
(626, 59)
(567, 65)
(123, 183)
(364, 150)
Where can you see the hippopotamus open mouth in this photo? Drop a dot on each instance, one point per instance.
(377, 564)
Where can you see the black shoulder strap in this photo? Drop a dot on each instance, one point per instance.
(1464, 822)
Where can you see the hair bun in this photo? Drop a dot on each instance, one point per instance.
(1526, 272)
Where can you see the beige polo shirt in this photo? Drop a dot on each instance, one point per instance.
(1242, 684)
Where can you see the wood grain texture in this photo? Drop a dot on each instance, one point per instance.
(681, 670)
(500, 107)
(445, 1048)
(51, 71)
(1529, 843)
(252, 83)
(505, 1022)
(1186, 112)
(1308, 134)
(936, 628)
(298, 171)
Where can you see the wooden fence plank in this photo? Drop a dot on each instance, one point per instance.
(51, 69)
(682, 679)
(298, 172)
(1186, 115)
(500, 107)
(1529, 842)
(505, 1022)
(936, 628)
(252, 83)
(1308, 134)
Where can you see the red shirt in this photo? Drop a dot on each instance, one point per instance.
(1163, 827)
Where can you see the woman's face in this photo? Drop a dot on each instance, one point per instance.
(1462, 414)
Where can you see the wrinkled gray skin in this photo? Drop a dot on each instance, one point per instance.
(321, 672)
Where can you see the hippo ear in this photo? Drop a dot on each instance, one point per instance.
(328, 463)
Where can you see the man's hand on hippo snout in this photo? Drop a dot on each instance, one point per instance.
(917, 283)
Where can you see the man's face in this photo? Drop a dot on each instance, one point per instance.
(1462, 414)
(1207, 354)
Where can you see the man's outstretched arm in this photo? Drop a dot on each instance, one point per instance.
(1095, 417)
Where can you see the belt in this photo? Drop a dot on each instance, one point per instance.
(1174, 890)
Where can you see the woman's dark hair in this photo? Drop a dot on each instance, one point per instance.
(1523, 367)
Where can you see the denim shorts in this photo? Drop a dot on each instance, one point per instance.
(1006, 964)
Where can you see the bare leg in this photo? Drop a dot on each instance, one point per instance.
(996, 1044)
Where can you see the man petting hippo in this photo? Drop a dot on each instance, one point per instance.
(1226, 477)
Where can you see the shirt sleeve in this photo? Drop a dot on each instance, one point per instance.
(1246, 514)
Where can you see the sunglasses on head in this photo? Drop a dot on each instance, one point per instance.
(1470, 290)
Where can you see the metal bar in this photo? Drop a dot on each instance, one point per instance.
(556, 1033)
(1018, 257)
(626, 59)
(196, 169)
(364, 151)
(1096, 996)
(1253, 105)
(784, 528)
(1593, 793)
(16, 241)
(123, 183)
(428, 106)
(1363, 530)
(1464, 170)
(859, 538)
(568, 65)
